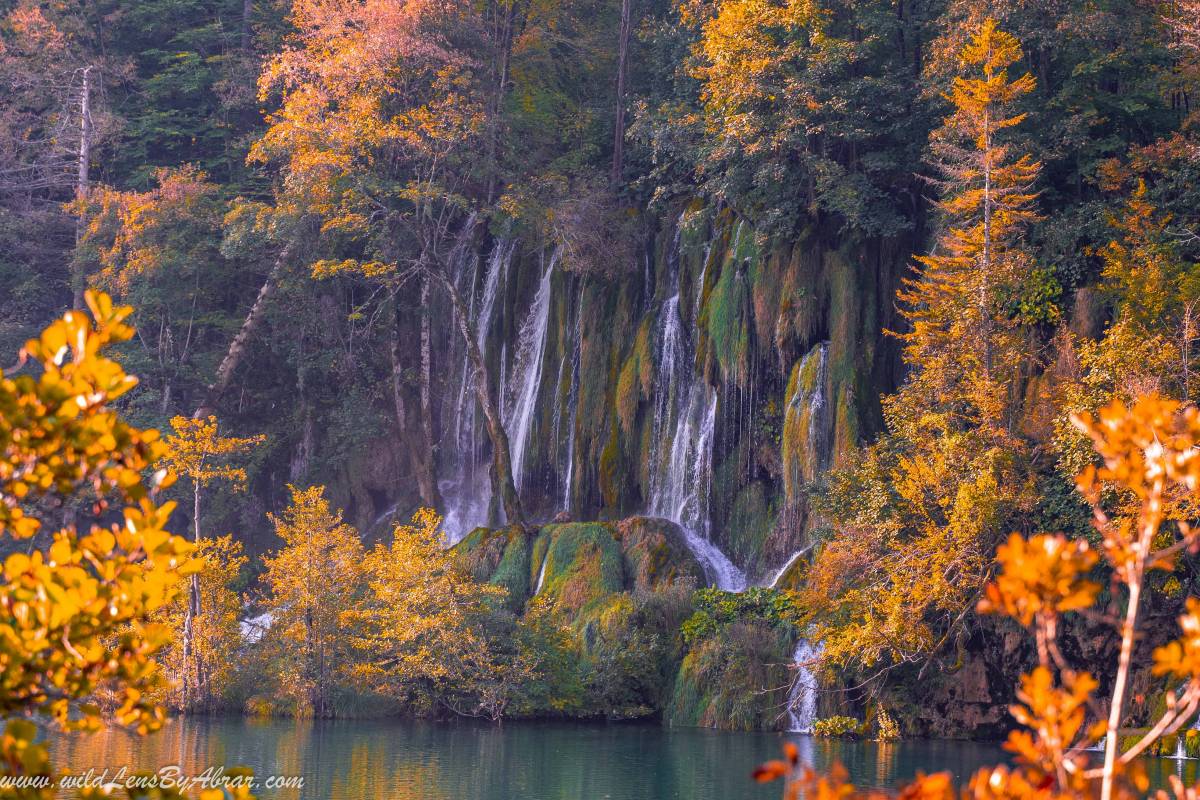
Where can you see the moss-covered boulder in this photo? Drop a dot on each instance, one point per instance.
(582, 567)
(655, 552)
(500, 557)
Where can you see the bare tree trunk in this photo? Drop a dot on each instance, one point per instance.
(192, 678)
(622, 67)
(247, 13)
(502, 477)
(434, 499)
(420, 448)
(237, 348)
(82, 185)
(1149, 527)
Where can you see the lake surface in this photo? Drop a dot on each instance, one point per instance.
(400, 760)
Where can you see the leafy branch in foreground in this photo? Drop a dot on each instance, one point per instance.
(78, 602)
(1143, 495)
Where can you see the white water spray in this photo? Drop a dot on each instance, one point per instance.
(684, 428)
(541, 579)
(467, 488)
(802, 698)
(527, 374)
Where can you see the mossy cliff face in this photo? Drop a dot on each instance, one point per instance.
(785, 337)
(576, 567)
(623, 593)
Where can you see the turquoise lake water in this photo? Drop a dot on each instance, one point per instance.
(400, 760)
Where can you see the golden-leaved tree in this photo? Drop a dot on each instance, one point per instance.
(383, 117)
(215, 634)
(918, 518)
(79, 599)
(314, 587)
(197, 452)
(966, 351)
(426, 628)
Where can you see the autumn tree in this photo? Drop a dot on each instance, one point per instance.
(806, 111)
(214, 635)
(426, 637)
(382, 114)
(199, 454)
(53, 120)
(1143, 493)
(160, 250)
(919, 516)
(965, 350)
(314, 586)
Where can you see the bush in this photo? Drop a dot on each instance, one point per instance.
(837, 727)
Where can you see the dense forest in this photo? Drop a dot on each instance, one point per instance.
(723, 341)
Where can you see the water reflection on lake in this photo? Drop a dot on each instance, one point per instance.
(394, 760)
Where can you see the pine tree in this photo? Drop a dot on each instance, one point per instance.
(959, 341)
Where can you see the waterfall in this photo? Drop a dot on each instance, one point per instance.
(541, 579)
(497, 274)
(802, 698)
(810, 399)
(684, 426)
(466, 487)
(573, 403)
(810, 407)
(527, 373)
(683, 493)
(774, 577)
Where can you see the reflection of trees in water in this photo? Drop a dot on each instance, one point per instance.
(887, 755)
(401, 760)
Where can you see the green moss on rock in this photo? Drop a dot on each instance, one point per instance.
(750, 522)
(803, 449)
(584, 566)
(656, 553)
(499, 557)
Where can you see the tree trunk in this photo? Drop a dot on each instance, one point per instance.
(622, 68)
(237, 348)
(420, 448)
(192, 677)
(1137, 572)
(434, 498)
(82, 186)
(247, 13)
(502, 477)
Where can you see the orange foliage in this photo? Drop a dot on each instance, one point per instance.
(1150, 457)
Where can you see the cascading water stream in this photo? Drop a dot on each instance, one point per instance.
(541, 578)
(573, 404)
(467, 489)
(809, 398)
(685, 413)
(773, 578)
(527, 373)
(802, 697)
